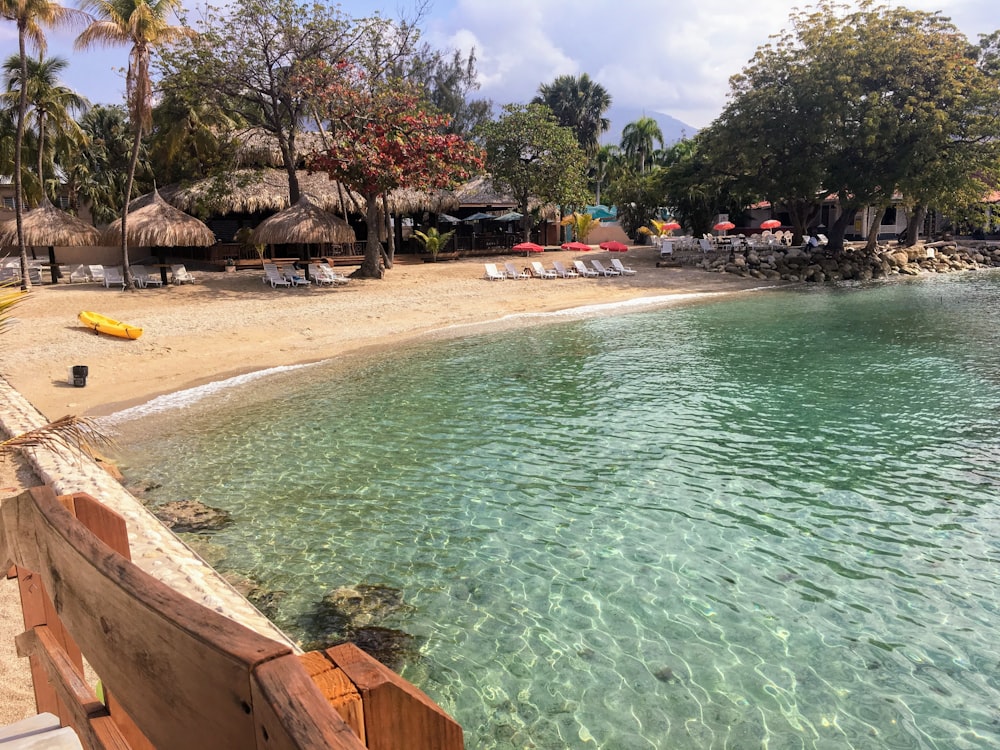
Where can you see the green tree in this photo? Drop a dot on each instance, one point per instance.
(639, 141)
(637, 197)
(382, 139)
(98, 173)
(30, 16)
(578, 103)
(51, 106)
(143, 26)
(605, 165)
(532, 157)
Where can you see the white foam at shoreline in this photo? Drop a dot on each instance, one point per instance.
(180, 399)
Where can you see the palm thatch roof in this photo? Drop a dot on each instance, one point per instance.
(253, 191)
(304, 223)
(48, 226)
(158, 224)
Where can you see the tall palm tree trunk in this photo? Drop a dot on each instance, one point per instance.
(22, 110)
(133, 161)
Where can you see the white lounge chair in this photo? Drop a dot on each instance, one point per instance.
(705, 245)
(582, 269)
(144, 278)
(493, 274)
(541, 272)
(273, 277)
(95, 273)
(179, 275)
(112, 276)
(77, 274)
(294, 276)
(622, 268)
(514, 273)
(564, 272)
(324, 275)
(599, 267)
(666, 249)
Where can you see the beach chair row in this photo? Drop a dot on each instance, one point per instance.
(320, 274)
(537, 270)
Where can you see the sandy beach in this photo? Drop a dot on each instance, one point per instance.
(232, 323)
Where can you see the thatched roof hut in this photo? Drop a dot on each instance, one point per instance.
(48, 226)
(263, 191)
(158, 224)
(304, 223)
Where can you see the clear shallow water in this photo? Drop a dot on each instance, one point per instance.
(765, 522)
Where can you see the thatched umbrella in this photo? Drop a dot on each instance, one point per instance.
(160, 225)
(305, 223)
(48, 226)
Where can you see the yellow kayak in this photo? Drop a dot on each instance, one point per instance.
(101, 324)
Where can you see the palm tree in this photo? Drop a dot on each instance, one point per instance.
(30, 16)
(143, 25)
(578, 103)
(603, 165)
(50, 104)
(97, 174)
(639, 139)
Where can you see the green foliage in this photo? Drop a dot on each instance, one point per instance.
(638, 198)
(578, 103)
(433, 241)
(639, 141)
(581, 225)
(532, 157)
(863, 103)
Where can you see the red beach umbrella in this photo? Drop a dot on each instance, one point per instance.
(724, 226)
(613, 246)
(575, 246)
(671, 226)
(770, 224)
(528, 247)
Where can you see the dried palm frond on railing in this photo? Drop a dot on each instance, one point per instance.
(9, 296)
(69, 433)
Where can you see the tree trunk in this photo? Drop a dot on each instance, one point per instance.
(130, 282)
(373, 266)
(872, 239)
(390, 237)
(22, 109)
(913, 223)
(839, 227)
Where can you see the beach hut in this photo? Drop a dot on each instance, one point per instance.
(48, 226)
(157, 224)
(305, 223)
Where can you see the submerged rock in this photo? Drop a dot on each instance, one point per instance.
(191, 516)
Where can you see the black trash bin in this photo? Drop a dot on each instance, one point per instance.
(80, 373)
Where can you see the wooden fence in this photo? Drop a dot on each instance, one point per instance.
(175, 674)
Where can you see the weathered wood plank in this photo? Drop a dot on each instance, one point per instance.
(398, 716)
(86, 714)
(338, 691)
(180, 670)
(290, 712)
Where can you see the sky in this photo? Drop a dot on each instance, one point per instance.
(672, 57)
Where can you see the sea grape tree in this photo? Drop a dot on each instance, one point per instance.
(382, 137)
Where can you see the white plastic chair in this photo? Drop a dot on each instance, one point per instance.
(622, 268)
(493, 274)
(599, 267)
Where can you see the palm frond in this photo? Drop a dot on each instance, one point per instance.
(69, 433)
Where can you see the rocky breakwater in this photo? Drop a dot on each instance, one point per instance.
(820, 265)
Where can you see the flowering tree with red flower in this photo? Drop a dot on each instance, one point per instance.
(382, 137)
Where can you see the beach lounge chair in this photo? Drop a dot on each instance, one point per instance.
(563, 272)
(622, 268)
(77, 274)
(514, 273)
(328, 273)
(705, 245)
(273, 277)
(95, 273)
(144, 278)
(112, 276)
(493, 274)
(582, 269)
(541, 272)
(294, 276)
(666, 249)
(179, 275)
(599, 267)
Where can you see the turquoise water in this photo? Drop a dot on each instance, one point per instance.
(769, 522)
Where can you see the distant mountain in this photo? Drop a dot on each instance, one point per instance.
(673, 129)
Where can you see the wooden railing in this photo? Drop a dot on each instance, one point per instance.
(175, 674)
